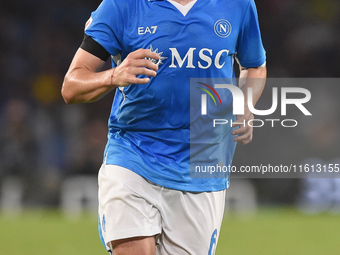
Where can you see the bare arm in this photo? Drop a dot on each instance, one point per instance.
(256, 79)
(84, 83)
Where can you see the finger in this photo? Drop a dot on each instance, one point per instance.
(239, 130)
(146, 63)
(240, 121)
(131, 63)
(244, 139)
(242, 133)
(144, 53)
(243, 119)
(137, 80)
(247, 140)
(145, 71)
(132, 79)
(140, 71)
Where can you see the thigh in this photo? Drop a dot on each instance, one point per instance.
(126, 207)
(190, 222)
(134, 246)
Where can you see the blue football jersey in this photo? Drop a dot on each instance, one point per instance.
(150, 125)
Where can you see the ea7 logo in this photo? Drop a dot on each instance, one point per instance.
(147, 30)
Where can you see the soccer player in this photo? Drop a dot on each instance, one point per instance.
(148, 202)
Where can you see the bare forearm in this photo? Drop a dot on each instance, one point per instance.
(254, 78)
(83, 83)
(84, 86)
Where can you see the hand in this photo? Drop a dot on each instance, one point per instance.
(244, 132)
(135, 64)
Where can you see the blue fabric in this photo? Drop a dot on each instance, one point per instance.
(100, 232)
(149, 125)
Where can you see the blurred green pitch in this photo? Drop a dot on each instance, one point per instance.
(270, 231)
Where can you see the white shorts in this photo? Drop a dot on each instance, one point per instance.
(131, 206)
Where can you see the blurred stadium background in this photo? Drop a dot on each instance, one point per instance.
(50, 152)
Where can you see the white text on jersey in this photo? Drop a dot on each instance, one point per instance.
(147, 30)
(205, 55)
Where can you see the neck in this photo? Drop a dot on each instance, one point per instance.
(183, 2)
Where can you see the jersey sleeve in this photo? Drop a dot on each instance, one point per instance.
(250, 50)
(104, 26)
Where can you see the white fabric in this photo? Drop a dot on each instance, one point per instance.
(184, 9)
(186, 223)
